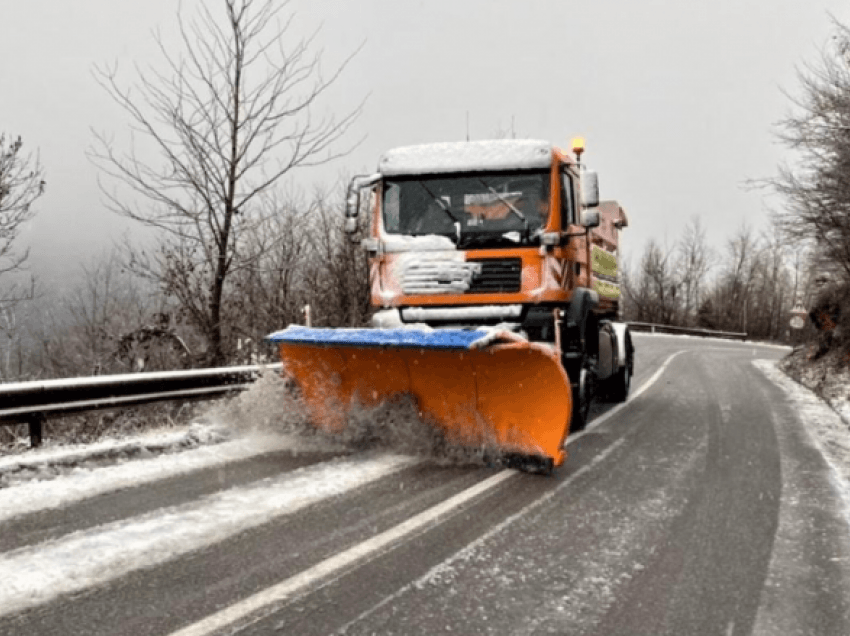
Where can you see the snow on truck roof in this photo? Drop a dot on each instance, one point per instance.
(462, 156)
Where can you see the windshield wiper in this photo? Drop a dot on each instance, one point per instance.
(445, 208)
(510, 205)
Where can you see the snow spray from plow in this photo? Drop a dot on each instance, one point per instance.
(480, 387)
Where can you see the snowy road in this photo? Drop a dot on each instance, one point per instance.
(701, 506)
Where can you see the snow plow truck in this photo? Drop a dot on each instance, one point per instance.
(493, 274)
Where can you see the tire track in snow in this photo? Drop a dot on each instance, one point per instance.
(37, 574)
(29, 497)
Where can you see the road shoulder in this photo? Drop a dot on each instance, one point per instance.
(807, 590)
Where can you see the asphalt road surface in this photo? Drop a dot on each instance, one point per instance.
(697, 508)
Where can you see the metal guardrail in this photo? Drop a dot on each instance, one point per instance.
(33, 402)
(690, 331)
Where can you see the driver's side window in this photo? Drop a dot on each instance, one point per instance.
(567, 201)
(392, 220)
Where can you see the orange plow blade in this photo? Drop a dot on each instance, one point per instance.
(480, 387)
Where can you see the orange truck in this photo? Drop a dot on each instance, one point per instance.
(494, 279)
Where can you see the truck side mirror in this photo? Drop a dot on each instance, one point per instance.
(352, 208)
(590, 218)
(589, 189)
(352, 199)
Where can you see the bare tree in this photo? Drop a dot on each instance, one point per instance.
(777, 296)
(695, 261)
(272, 289)
(229, 117)
(302, 257)
(733, 287)
(754, 290)
(21, 183)
(108, 321)
(11, 346)
(751, 289)
(339, 265)
(817, 187)
(115, 324)
(652, 294)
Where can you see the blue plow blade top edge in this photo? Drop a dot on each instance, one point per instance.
(408, 338)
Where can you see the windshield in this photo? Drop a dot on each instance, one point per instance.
(481, 208)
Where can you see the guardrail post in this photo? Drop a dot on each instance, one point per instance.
(36, 422)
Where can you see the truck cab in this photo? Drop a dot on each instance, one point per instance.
(514, 226)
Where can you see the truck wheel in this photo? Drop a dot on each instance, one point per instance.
(621, 382)
(618, 389)
(582, 396)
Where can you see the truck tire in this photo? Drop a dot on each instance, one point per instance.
(619, 385)
(582, 397)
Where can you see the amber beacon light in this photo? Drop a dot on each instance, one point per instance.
(577, 145)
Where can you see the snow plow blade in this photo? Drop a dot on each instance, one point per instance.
(481, 387)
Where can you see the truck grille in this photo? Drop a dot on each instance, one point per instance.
(438, 277)
(497, 276)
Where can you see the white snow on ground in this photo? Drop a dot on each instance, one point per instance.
(828, 431)
(83, 482)
(152, 440)
(828, 376)
(842, 407)
(36, 574)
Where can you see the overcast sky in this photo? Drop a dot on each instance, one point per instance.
(677, 99)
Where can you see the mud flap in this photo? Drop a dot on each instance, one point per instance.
(480, 387)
